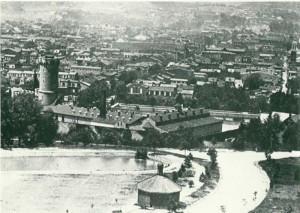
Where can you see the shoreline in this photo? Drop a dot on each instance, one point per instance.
(173, 164)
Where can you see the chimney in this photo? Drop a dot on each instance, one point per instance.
(160, 169)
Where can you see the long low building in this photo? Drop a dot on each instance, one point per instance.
(81, 70)
(199, 120)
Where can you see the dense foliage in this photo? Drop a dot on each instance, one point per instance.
(21, 118)
(226, 98)
(281, 102)
(253, 81)
(272, 135)
(141, 154)
(94, 96)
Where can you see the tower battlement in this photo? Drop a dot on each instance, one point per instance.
(48, 60)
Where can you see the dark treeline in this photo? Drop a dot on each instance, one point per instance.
(272, 135)
(22, 119)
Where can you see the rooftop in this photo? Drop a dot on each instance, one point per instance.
(159, 184)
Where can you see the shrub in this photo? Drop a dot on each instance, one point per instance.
(191, 183)
(189, 173)
(141, 154)
(175, 176)
(187, 162)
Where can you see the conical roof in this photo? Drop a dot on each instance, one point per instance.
(159, 184)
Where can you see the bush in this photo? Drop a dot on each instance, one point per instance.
(202, 177)
(238, 145)
(141, 154)
(212, 152)
(189, 173)
(191, 183)
(187, 162)
(190, 156)
(175, 176)
(181, 170)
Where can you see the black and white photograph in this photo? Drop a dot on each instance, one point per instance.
(120, 106)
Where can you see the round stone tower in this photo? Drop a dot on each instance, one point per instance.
(48, 79)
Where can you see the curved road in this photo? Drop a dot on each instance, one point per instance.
(240, 177)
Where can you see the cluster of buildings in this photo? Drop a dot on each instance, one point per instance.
(139, 121)
(166, 62)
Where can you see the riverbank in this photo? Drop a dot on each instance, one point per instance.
(79, 188)
(284, 196)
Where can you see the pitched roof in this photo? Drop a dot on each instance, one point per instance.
(159, 184)
(189, 124)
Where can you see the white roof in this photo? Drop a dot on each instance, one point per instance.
(282, 116)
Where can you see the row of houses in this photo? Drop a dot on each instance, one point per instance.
(157, 88)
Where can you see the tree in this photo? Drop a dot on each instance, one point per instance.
(22, 118)
(151, 138)
(47, 129)
(126, 137)
(291, 137)
(7, 126)
(253, 82)
(81, 135)
(212, 152)
(121, 90)
(281, 102)
(94, 96)
(272, 128)
(25, 115)
(155, 69)
(110, 137)
(128, 77)
(187, 162)
(294, 85)
(179, 99)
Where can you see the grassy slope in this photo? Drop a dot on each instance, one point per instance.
(284, 196)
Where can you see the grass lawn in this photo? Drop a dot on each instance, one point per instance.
(284, 194)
